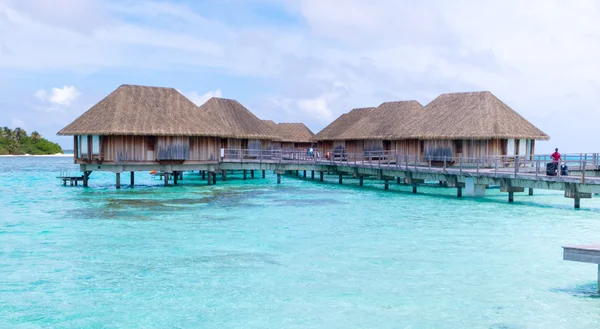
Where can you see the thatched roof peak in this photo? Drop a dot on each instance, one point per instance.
(271, 123)
(390, 120)
(143, 110)
(235, 120)
(343, 123)
(295, 132)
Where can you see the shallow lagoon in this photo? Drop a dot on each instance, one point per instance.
(301, 254)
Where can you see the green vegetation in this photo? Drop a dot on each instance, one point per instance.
(18, 142)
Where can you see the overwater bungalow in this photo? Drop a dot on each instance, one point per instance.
(239, 128)
(330, 138)
(149, 125)
(388, 127)
(292, 135)
(467, 125)
(144, 125)
(476, 125)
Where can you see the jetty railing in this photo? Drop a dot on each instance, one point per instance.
(499, 165)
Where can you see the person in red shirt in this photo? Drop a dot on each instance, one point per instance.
(555, 156)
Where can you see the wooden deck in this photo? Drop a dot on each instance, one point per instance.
(512, 174)
(584, 254)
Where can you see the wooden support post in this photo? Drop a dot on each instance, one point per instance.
(398, 180)
(360, 180)
(278, 178)
(577, 201)
(386, 185)
(297, 172)
(251, 173)
(131, 179)
(224, 175)
(304, 173)
(263, 173)
(203, 174)
(530, 191)
(321, 176)
(312, 174)
(86, 178)
(75, 182)
(118, 176)
(459, 192)
(598, 278)
(208, 180)
(340, 178)
(166, 177)
(214, 178)
(175, 177)
(511, 196)
(414, 188)
(245, 173)
(445, 160)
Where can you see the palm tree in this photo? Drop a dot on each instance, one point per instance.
(19, 133)
(35, 135)
(6, 132)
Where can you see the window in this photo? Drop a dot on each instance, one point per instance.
(151, 142)
(83, 146)
(458, 144)
(95, 144)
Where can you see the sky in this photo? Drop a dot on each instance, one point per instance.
(305, 60)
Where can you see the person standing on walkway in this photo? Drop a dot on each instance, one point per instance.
(555, 156)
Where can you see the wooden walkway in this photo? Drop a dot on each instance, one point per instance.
(512, 174)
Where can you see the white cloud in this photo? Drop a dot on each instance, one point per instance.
(201, 99)
(64, 95)
(41, 95)
(317, 108)
(59, 96)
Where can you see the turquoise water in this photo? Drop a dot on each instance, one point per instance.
(302, 254)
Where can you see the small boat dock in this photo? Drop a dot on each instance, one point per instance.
(584, 254)
(66, 176)
(73, 180)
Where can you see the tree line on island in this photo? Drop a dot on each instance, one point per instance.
(17, 141)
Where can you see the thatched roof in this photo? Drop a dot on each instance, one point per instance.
(271, 124)
(235, 121)
(291, 132)
(295, 132)
(141, 110)
(471, 115)
(390, 120)
(474, 115)
(342, 124)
